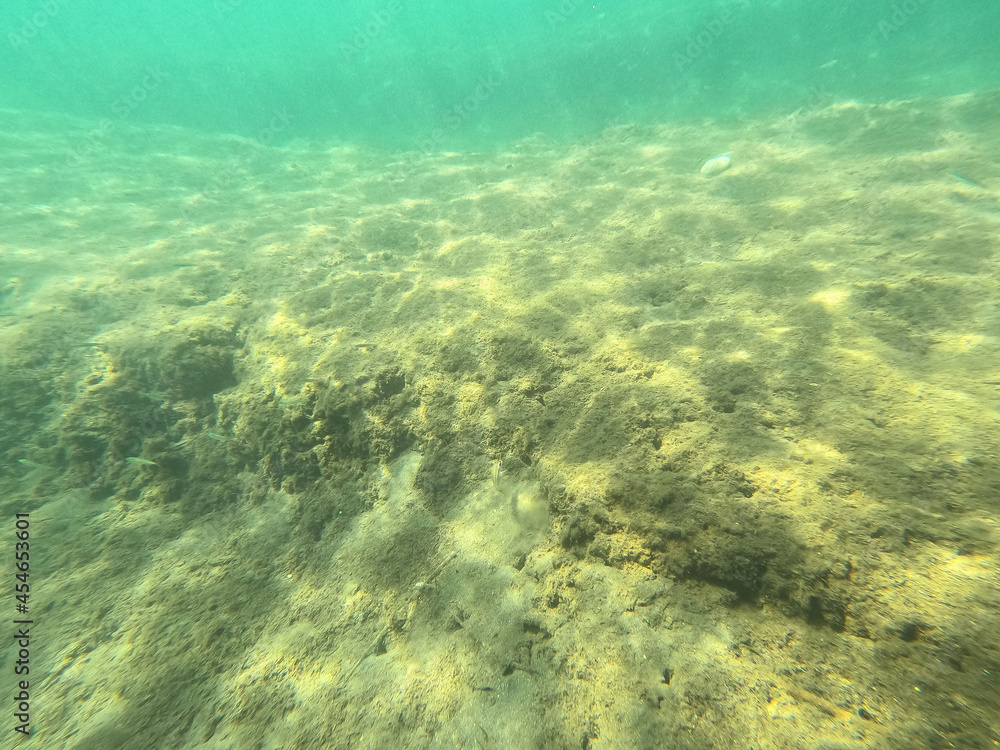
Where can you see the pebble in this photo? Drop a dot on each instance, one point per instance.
(715, 166)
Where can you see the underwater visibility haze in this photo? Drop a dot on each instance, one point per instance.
(500, 374)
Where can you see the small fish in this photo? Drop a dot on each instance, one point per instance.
(140, 461)
(966, 180)
(28, 463)
(216, 436)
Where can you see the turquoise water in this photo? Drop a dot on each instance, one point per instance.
(542, 376)
(477, 74)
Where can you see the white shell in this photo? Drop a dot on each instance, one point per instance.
(715, 166)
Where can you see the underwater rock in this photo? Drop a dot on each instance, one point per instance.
(715, 166)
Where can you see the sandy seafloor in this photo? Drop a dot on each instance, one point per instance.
(677, 462)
